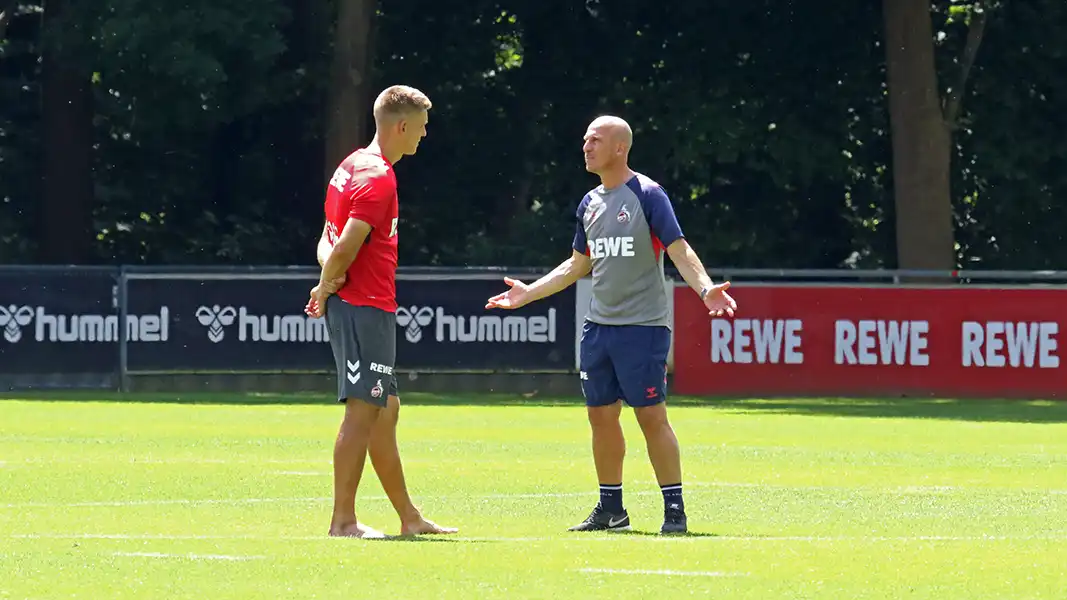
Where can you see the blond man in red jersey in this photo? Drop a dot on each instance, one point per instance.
(357, 295)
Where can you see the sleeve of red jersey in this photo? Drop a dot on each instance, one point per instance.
(371, 192)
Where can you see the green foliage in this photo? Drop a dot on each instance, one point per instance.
(766, 121)
(1010, 164)
(19, 135)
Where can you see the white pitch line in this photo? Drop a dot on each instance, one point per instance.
(532, 495)
(714, 538)
(610, 537)
(237, 501)
(909, 489)
(160, 537)
(186, 556)
(184, 502)
(664, 572)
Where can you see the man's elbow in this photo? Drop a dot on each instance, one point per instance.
(344, 252)
(678, 249)
(580, 265)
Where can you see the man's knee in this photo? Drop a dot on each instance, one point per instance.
(652, 418)
(605, 416)
(391, 412)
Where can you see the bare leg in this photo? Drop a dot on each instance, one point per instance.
(385, 457)
(349, 458)
(609, 445)
(662, 444)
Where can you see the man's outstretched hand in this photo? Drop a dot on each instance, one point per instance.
(718, 302)
(515, 297)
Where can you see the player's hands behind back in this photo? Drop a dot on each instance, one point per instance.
(335, 284)
(316, 306)
(514, 298)
(718, 302)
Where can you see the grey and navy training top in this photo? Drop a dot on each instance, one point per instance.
(624, 231)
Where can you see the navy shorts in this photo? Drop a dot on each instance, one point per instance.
(627, 362)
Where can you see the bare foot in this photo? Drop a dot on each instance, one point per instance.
(423, 526)
(356, 530)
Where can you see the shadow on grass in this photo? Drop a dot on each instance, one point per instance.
(282, 399)
(423, 539)
(657, 534)
(978, 410)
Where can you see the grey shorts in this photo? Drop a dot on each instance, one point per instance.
(363, 340)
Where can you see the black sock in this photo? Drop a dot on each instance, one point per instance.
(672, 496)
(611, 498)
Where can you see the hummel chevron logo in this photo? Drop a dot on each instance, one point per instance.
(613, 523)
(353, 371)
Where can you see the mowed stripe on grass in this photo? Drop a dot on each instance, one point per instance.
(229, 498)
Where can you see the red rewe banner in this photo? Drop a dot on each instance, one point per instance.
(871, 341)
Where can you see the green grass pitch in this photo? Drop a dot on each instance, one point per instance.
(218, 497)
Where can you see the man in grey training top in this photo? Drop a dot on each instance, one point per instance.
(624, 225)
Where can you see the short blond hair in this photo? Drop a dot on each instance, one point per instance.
(398, 101)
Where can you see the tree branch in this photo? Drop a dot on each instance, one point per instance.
(975, 32)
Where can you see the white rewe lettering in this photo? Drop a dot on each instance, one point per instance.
(340, 179)
(998, 344)
(885, 342)
(277, 328)
(491, 328)
(608, 247)
(100, 328)
(380, 368)
(744, 341)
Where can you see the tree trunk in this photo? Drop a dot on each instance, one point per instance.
(349, 105)
(921, 140)
(67, 116)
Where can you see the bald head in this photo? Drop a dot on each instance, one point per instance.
(607, 144)
(614, 129)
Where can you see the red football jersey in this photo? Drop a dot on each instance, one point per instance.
(364, 187)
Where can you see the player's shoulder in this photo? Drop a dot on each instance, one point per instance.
(587, 198)
(369, 166)
(646, 188)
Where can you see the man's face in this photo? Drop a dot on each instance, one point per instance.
(412, 129)
(601, 150)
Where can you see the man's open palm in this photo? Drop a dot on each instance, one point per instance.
(718, 302)
(513, 298)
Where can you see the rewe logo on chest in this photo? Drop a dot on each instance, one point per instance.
(606, 247)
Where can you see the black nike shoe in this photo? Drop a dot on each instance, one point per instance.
(674, 521)
(602, 520)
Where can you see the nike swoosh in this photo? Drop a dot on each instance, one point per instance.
(612, 522)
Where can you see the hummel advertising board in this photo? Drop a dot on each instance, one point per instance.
(63, 321)
(258, 324)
